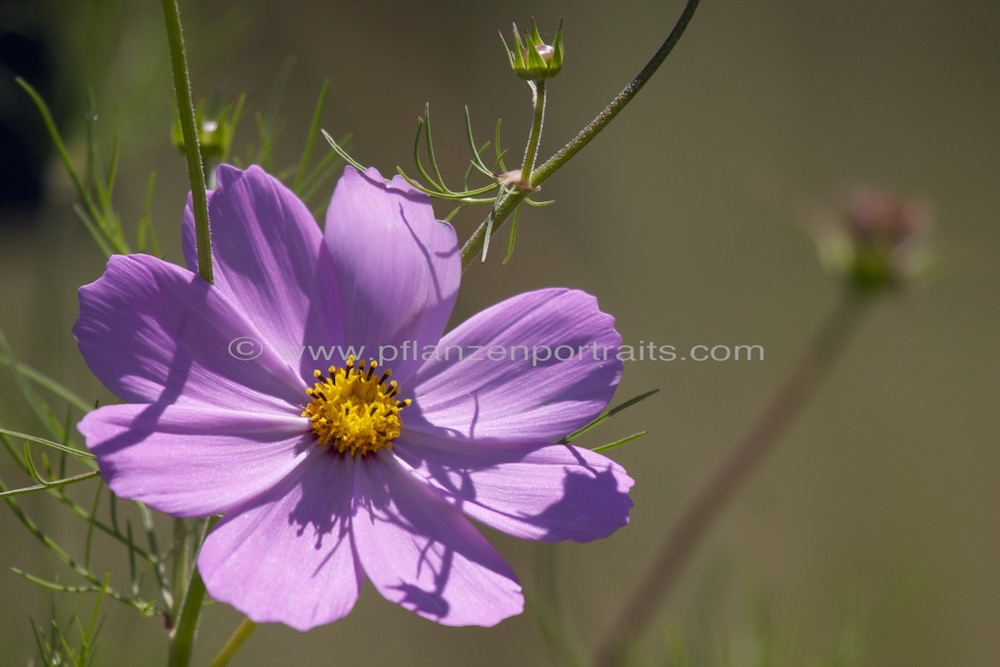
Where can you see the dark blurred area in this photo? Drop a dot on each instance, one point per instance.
(28, 49)
(870, 538)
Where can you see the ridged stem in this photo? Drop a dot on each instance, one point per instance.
(189, 130)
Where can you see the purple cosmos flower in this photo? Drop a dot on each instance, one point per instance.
(326, 472)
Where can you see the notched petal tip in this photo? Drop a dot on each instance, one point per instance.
(397, 185)
(90, 292)
(227, 174)
(399, 267)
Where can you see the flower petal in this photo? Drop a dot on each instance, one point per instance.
(153, 332)
(271, 262)
(553, 367)
(192, 460)
(423, 554)
(399, 268)
(288, 556)
(535, 491)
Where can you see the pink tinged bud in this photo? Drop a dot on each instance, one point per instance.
(531, 58)
(878, 241)
(546, 52)
(875, 217)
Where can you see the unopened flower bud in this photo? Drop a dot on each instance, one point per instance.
(531, 58)
(875, 218)
(215, 130)
(546, 52)
(878, 241)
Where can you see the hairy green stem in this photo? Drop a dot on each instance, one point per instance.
(189, 129)
(181, 567)
(236, 640)
(535, 136)
(189, 589)
(188, 537)
(508, 203)
(182, 638)
(744, 458)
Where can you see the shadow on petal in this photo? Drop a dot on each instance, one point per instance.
(577, 516)
(288, 555)
(536, 491)
(173, 388)
(424, 555)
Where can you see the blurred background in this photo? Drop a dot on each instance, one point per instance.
(870, 538)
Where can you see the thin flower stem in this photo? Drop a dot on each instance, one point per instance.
(51, 485)
(507, 204)
(182, 638)
(193, 593)
(64, 556)
(245, 629)
(535, 136)
(43, 380)
(189, 129)
(744, 458)
(619, 102)
(181, 567)
(189, 589)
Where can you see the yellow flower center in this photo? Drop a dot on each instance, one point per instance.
(354, 410)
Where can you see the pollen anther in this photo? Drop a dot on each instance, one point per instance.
(353, 410)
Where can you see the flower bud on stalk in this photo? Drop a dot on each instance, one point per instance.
(532, 59)
(879, 241)
(215, 130)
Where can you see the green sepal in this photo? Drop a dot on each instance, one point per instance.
(527, 59)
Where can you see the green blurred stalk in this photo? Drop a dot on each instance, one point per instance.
(743, 460)
(241, 634)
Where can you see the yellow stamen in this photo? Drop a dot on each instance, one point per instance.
(353, 410)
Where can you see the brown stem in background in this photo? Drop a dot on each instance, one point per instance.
(744, 458)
